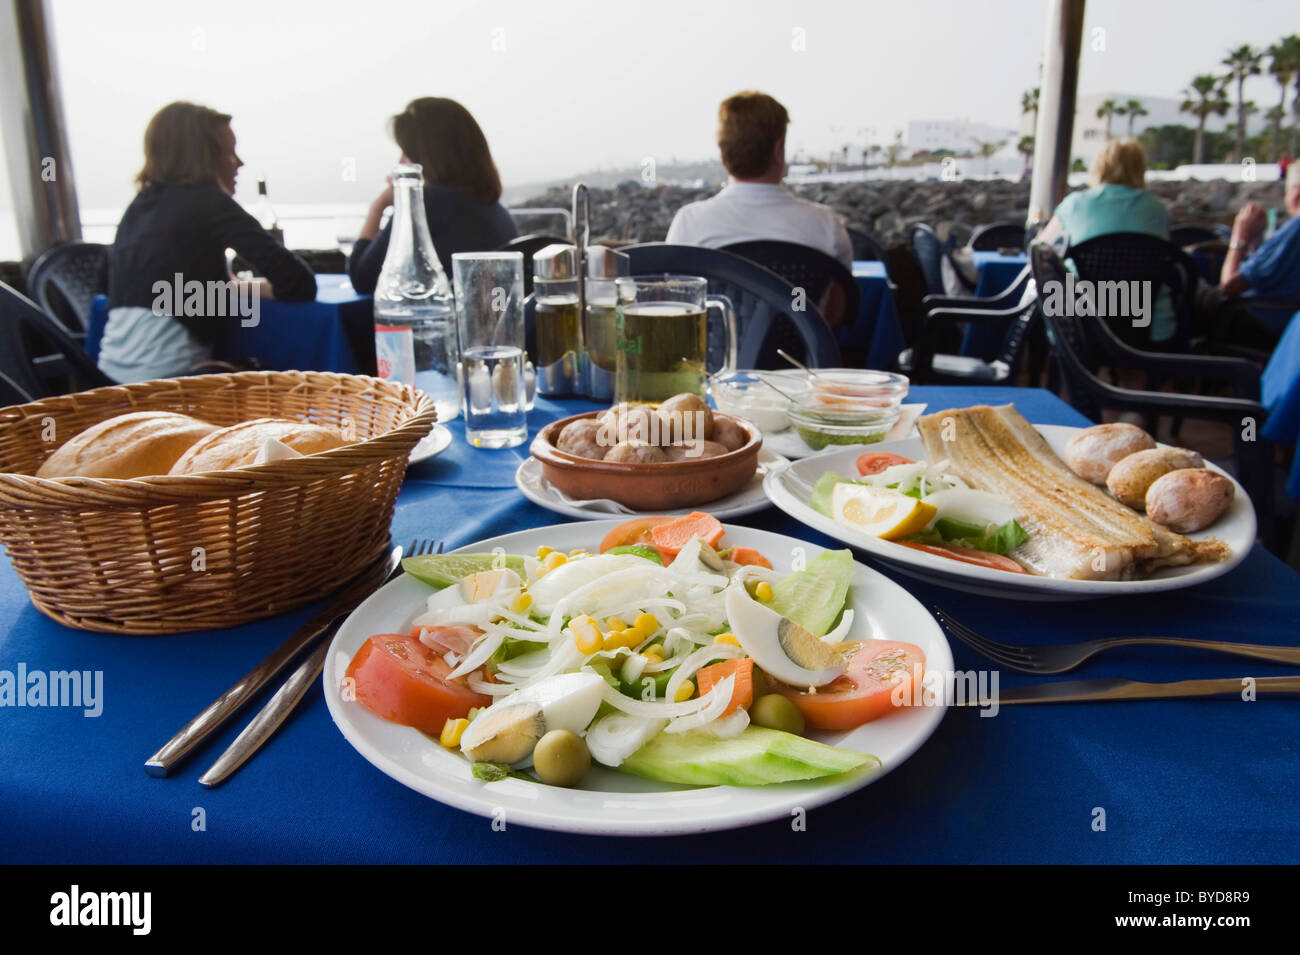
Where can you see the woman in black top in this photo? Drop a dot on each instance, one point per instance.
(462, 190)
(174, 234)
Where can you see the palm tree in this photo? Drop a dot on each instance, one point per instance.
(1284, 66)
(1105, 111)
(1204, 98)
(1029, 104)
(1242, 62)
(1026, 148)
(1275, 114)
(893, 149)
(987, 149)
(1133, 109)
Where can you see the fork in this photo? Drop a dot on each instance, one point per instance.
(286, 699)
(1060, 658)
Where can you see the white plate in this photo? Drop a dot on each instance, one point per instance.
(750, 498)
(432, 444)
(617, 803)
(789, 490)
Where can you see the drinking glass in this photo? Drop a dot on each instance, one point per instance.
(490, 328)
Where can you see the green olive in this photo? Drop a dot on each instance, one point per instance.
(776, 712)
(561, 758)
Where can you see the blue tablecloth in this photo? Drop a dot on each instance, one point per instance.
(1280, 394)
(877, 330)
(1186, 781)
(334, 333)
(996, 274)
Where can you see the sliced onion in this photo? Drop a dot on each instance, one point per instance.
(840, 632)
(719, 698)
(701, 657)
(729, 726)
(490, 689)
(616, 736)
(665, 710)
(487, 645)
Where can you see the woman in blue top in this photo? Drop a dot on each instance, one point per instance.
(1116, 201)
(462, 190)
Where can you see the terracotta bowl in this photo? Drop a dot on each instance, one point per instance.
(647, 487)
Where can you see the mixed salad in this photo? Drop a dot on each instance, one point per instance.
(663, 652)
(922, 506)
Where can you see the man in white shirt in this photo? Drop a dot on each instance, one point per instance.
(754, 205)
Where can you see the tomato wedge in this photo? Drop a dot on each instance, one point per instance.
(877, 670)
(398, 678)
(968, 555)
(633, 532)
(873, 462)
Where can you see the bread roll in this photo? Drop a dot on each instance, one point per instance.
(1189, 499)
(1094, 451)
(238, 445)
(1129, 479)
(138, 444)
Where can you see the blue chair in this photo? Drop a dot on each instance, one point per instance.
(931, 253)
(762, 300)
(38, 358)
(65, 279)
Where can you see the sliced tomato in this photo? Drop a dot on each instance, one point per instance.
(398, 678)
(968, 555)
(878, 669)
(633, 532)
(873, 462)
(742, 695)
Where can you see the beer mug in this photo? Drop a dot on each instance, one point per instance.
(662, 337)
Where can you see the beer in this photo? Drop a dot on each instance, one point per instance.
(661, 350)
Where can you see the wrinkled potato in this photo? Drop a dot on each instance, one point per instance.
(685, 417)
(1131, 477)
(635, 452)
(582, 438)
(729, 434)
(691, 450)
(1188, 499)
(629, 422)
(1094, 451)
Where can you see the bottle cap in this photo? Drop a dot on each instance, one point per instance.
(607, 263)
(261, 187)
(555, 262)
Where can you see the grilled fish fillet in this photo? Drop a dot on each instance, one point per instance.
(1075, 529)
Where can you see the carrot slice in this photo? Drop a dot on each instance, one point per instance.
(748, 556)
(676, 534)
(635, 531)
(742, 669)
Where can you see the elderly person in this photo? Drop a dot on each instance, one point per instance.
(1270, 269)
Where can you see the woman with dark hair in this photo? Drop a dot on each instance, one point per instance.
(462, 190)
(176, 232)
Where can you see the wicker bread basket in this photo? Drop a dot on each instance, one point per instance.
(195, 552)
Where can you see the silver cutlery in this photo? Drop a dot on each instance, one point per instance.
(1076, 691)
(1062, 657)
(213, 716)
(286, 699)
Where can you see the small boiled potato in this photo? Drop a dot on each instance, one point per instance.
(582, 438)
(685, 417)
(1129, 479)
(635, 452)
(730, 434)
(630, 422)
(691, 450)
(1189, 499)
(1094, 451)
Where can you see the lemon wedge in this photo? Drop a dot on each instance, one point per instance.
(880, 512)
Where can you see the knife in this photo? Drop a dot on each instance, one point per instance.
(1114, 688)
(228, 703)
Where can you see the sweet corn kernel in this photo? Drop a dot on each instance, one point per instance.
(578, 553)
(763, 591)
(615, 623)
(452, 731)
(727, 638)
(684, 692)
(543, 552)
(653, 654)
(647, 623)
(552, 560)
(627, 637)
(522, 603)
(586, 634)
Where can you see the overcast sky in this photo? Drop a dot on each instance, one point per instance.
(569, 85)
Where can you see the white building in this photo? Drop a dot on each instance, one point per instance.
(958, 135)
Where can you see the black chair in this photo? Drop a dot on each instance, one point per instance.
(997, 235)
(38, 358)
(530, 245)
(907, 282)
(809, 269)
(1186, 234)
(1074, 337)
(1137, 257)
(762, 300)
(931, 252)
(65, 279)
(865, 246)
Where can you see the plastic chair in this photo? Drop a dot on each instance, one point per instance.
(38, 357)
(997, 235)
(1186, 234)
(866, 248)
(931, 253)
(762, 300)
(1073, 337)
(807, 268)
(65, 279)
(530, 245)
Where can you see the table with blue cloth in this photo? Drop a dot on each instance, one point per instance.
(1280, 394)
(1190, 781)
(996, 273)
(336, 332)
(877, 331)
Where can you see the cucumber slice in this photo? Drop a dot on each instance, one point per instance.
(756, 757)
(647, 551)
(814, 596)
(443, 570)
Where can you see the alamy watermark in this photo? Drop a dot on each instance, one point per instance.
(1082, 298)
(64, 688)
(211, 299)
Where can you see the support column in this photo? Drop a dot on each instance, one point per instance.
(1055, 130)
